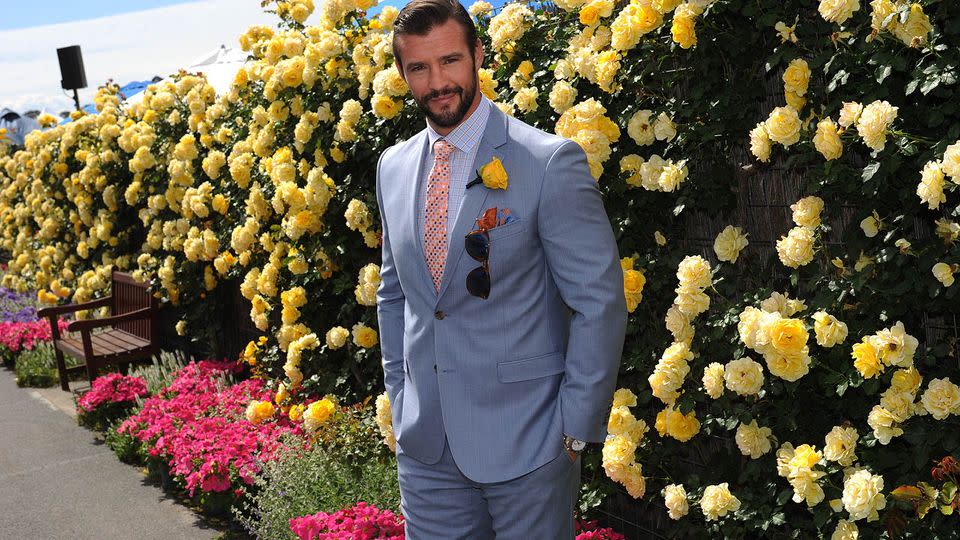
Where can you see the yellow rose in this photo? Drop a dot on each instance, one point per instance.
(623, 397)
(681, 427)
(930, 189)
(873, 123)
(827, 140)
(828, 329)
(760, 142)
(296, 412)
(863, 495)
(364, 336)
(944, 273)
(788, 336)
(753, 440)
(713, 379)
(675, 499)
(796, 77)
(885, 425)
(337, 337)
(783, 126)
(789, 366)
(317, 414)
(493, 174)
(866, 358)
(258, 411)
(683, 31)
(729, 243)
(633, 282)
(941, 399)
(743, 376)
(841, 445)
(386, 107)
(796, 249)
(806, 211)
(694, 271)
(717, 501)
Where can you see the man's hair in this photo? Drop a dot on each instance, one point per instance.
(420, 16)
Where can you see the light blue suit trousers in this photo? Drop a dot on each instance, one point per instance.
(483, 390)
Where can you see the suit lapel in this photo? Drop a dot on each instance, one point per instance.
(413, 190)
(494, 136)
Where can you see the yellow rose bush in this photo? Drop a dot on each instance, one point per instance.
(790, 380)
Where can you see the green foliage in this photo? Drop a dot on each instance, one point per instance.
(37, 368)
(307, 481)
(160, 373)
(128, 448)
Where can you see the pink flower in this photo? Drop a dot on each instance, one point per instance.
(111, 388)
(199, 428)
(359, 522)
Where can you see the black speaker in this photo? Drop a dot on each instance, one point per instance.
(71, 68)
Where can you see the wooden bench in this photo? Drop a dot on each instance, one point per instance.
(132, 330)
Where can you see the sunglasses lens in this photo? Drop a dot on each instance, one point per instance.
(478, 282)
(477, 245)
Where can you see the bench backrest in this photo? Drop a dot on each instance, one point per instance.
(130, 295)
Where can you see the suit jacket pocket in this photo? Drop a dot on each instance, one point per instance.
(507, 229)
(531, 368)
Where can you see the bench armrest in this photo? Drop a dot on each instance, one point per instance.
(68, 308)
(89, 324)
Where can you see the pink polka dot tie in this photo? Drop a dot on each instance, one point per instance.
(435, 211)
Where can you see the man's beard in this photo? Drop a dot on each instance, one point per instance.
(451, 117)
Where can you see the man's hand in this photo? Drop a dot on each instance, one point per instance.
(572, 455)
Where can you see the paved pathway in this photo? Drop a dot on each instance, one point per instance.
(58, 481)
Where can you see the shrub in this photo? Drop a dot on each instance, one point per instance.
(160, 373)
(37, 367)
(128, 448)
(359, 522)
(111, 397)
(197, 426)
(305, 481)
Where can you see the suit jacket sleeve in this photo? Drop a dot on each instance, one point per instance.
(584, 260)
(390, 307)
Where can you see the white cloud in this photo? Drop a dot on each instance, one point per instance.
(127, 47)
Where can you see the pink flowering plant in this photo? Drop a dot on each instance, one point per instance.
(197, 428)
(590, 530)
(110, 398)
(17, 336)
(359, 522)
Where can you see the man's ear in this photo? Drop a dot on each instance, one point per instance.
(478, 54)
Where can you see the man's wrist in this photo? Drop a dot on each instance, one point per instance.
(573, 444)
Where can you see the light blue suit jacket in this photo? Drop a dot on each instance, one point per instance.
(503, 378)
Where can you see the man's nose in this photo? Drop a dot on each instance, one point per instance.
(437, 80)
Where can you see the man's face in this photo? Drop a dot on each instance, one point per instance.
(441, 72)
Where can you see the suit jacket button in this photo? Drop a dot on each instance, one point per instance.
(434, 368)
(439, 315)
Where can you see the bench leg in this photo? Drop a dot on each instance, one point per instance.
(62, 370)
(91, 370)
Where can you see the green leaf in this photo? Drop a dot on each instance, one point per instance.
(883, 72)
(929, 84)
(870, 170)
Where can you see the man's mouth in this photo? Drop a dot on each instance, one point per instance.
(444, 99)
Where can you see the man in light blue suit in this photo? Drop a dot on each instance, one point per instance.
(501, 330)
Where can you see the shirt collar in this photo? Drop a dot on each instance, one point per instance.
(467, 135)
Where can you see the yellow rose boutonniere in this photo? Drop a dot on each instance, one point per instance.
(492, 175)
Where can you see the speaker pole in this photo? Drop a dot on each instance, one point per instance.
(76, 99)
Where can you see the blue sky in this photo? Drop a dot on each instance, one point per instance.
(26, 14)
(122, 40)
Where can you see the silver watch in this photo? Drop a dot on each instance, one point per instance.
(575, 445)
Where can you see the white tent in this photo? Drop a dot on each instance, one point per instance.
(219, 66)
